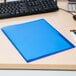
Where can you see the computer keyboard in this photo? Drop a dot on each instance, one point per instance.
(26, 7)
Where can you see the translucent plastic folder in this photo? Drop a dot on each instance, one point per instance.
(36, 39)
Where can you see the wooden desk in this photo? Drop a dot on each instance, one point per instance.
(62, 21)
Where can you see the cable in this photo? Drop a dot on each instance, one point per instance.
(66, 11)
(74, 16)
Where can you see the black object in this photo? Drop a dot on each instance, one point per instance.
(26, 7)
(74, 17)
(75, 32)
(72, 0)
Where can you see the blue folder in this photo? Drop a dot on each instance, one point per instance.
(36, 39)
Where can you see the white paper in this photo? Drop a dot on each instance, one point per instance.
(73, 35)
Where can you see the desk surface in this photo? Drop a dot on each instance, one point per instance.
(62, 21)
